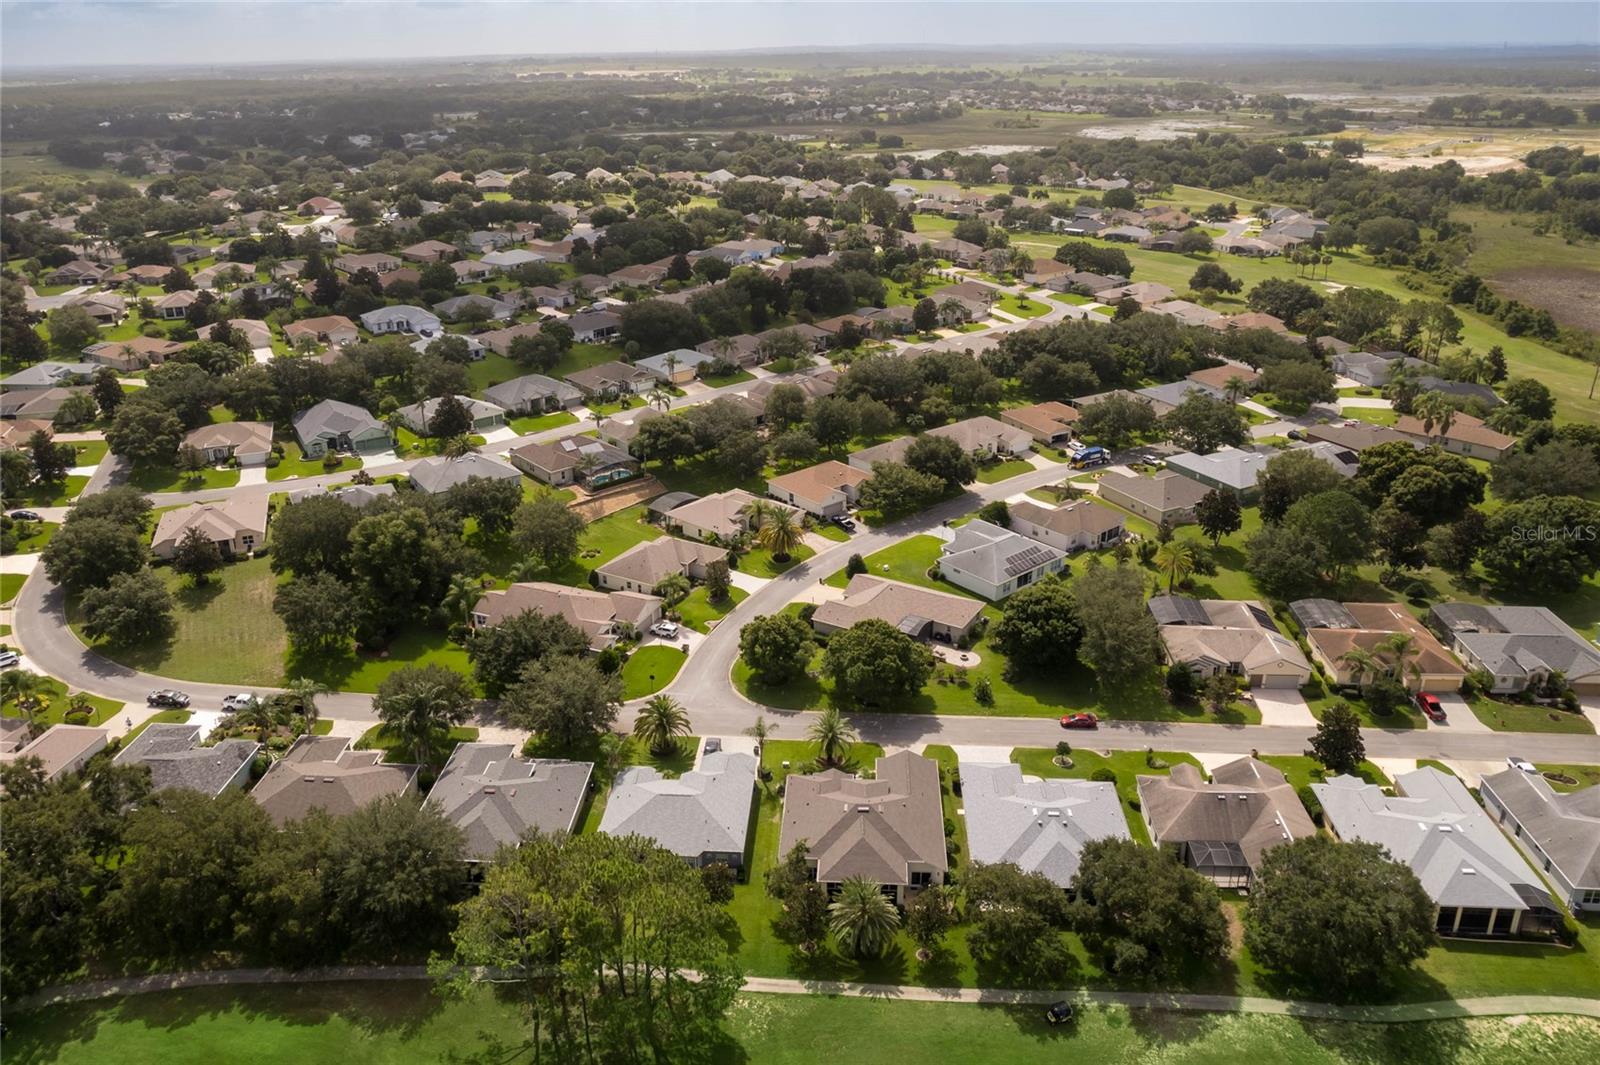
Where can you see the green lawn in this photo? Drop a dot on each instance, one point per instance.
(35, 541)
(1513, 717)
(649, 669)
(1301, 770)
(995, 472)
(1318, 697)
(908, 561)
(46, 495)
(165, 717)
(737, 377)
(539, 423)
(295, 464)
(409, 445)
(699, 612)
(56, 694)
(388, 1023)
(1021, 306)
(492, 370)
(11, 585)
(378, 738)
(1585, 775)
(703, 476)
(1071, 297)
(758, 561)
(602, 541)
(90, 452)
(829, 531)
(170, 479)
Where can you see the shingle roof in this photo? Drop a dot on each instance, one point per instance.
(176, 760)
(705, 811)
(869, 828)
(1565, 827)
(439, 474)
(993, 554)
(1248, 803)
(497, 797)
(596, 613)
(1038, 825)
(647, 562)
(867, 596)
(322, 773)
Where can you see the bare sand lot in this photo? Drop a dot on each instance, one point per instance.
(1570, 294)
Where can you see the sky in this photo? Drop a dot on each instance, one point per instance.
(98, 32)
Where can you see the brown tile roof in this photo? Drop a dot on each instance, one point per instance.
(875, 829)
(322, 773)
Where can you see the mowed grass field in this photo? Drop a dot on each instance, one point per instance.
(392, 1023)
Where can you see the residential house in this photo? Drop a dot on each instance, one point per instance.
(1521, 646)
(593, 326)
(257, 334)
(1335, 630)
(79, 272)
(641, 567)
(676, 367)
(334, 329)
(1082, 524)
(237, 526)
(1249, 320)
(418, 417)
(1560, 831)
(1216, 378)
(545, 296)
(1231, 469)
(1049, 423)
(1356, 438)
(1478, 882)
(468, 271)
(430, 251)
(1168, 496)
(135, 353)
(703, 816)
(61, 749)
(993, 562)
(440, 474)
(982, 436)
(1223, 828)
(333, 425)
(1466, 435)
(377, 262)
(1040, 826)
(1369, 369)
(461, 308)
(50, 374)
(497, 798)
(499, 340)
(1471, 391)
(320, 205)
(722, 516)
(1145, 293)
(639, 275)
(175, 305)
(604, 617)
(1169, 396)
(402, 318)
(612, 378)
(888, 830)
(826, 490)
(505, 262)
(532, 394)
(248, 442)
(351, 495)
(36, 404)
(962, 253)
(1233, 637)
(176, 759)
(921, 613)
(325, 773)
(1185, 312)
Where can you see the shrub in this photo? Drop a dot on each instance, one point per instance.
(983, 692)
(807, 611)
(77, 717)
(1308, 799)
(273, 460)
(1104, 775)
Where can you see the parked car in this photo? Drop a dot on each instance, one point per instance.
(167, 698)
(665, 629)
(1060, 1013)
(237, 701)
(1430, 705)
(24, 515)
(844, 523)
(9, 659)
(1079, 721)
(1521, 763)
(713, 744)
(1295, 434)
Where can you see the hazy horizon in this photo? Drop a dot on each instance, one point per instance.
(83, 33)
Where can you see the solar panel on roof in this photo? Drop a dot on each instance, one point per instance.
(1028, 558)
(1261, 616)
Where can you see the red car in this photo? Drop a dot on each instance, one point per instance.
(1079, 721)
(1431, 706)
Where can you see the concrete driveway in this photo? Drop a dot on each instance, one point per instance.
(1458, 717)
(1283, 706)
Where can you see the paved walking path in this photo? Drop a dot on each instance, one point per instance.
(1497, 1006)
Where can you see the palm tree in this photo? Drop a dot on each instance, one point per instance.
(660, 723)
(1435, 410)
(613, 754)
(23, 687)
(419, 713)
(672, 589)
(303, 692)
(254, 714)
(778, 532)
(1235, 387)
(1399, 652)
(1176, 559)
(833, 736)
(862, 920)
(760, 730)
(462, 595)
(659, 398)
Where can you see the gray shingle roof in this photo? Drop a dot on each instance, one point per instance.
(706, 811)
(1040, 826)
(1566, 827)
(496, 798)
(176, 760)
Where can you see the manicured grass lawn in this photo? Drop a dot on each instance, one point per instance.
(392, 1022)
(491, 370)
(649, 669)
(57, 694)
(1127, 765)
(908, 561)
(580, 357)
(698, 611)
(1585, 775)
(703, 477)
(1071, 297)
(378, 738)
(1000, 471)
(758, 561)
(829, 531)
(1301, 770)
(603, 541)
(295, 464)
(90, 452)
(1513, 717)
(43, 531)
(737, 377)
(409, 444)
(1020, 306)
(46, 495)
(11, 585)
(1372, 415)
(165, 717)
(170, 479)
(537, 424)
